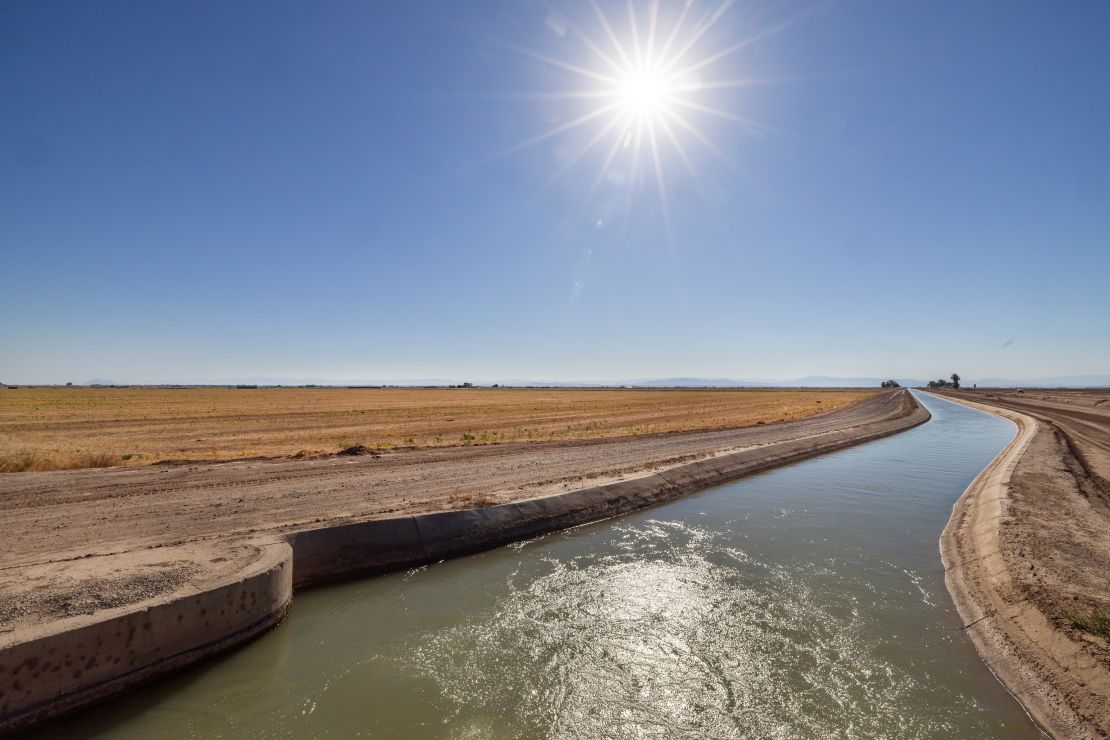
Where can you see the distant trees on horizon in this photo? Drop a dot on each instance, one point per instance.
(953, 381)
(891, 384)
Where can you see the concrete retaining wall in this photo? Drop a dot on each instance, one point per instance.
(334, 553)
(84, 659)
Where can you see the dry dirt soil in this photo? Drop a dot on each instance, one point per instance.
(1055, 538)
(48, 428)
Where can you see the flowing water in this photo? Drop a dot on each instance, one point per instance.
(807, 601)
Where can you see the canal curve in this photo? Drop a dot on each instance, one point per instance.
(805, 601)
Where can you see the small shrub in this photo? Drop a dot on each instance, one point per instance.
(469, 501)
(100, 460)
(1097, 622)
(18, 462)
(21, 462)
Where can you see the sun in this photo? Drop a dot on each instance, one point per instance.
(644, 96)
(646, 79)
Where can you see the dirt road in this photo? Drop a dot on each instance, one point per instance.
(1083, 415)
(1030, 546)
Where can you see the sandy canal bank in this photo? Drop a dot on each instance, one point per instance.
(113, 577)
(1027, 557)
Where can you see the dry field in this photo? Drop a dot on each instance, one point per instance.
(56, 428)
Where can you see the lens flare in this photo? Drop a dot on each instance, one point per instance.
(647, 82)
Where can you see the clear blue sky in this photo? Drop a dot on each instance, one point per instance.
(212, 190)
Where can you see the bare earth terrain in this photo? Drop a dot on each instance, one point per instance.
(1042, 579)
(49, 428)
(73, 538)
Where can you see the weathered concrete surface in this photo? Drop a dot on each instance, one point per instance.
(330, 553)
(111, 651)
(76, 661)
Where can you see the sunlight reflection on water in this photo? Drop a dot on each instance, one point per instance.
(675, 631)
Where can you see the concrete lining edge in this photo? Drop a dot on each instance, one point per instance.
(332, 553)
(79, 661)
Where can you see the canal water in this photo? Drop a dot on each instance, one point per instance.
(804, 602)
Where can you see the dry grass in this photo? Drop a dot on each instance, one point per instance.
(24, 460)
(1097, 622)
(58, 428)
(468, 501)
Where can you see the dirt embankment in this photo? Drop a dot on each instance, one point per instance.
(1028, 557)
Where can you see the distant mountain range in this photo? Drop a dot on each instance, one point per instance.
(809, 381)
(1062, 381)
(826, 381)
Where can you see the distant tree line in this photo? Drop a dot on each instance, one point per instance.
(891, 384)
(952, 382)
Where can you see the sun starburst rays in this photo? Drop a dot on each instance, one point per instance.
(642, 88)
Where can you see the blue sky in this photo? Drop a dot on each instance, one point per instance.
(213, 190)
